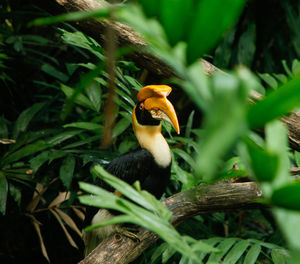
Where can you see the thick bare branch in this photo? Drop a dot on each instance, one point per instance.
(205, 198)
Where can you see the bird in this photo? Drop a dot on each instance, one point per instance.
(150, 164)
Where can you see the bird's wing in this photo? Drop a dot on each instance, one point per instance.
(132, 166)
(129, 167)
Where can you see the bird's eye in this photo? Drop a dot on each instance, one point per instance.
(141, 106)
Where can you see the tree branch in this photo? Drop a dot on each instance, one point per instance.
(205, 198)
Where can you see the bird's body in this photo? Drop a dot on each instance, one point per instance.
(150, 164)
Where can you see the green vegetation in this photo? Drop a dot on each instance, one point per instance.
(55, 84)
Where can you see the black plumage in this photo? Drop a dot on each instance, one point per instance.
(138, 165)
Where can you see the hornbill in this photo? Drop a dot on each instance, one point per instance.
(150, 164)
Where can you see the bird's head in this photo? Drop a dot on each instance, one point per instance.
(152, 107)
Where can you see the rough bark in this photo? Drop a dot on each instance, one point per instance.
(205, 198)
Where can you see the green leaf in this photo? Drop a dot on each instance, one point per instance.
(80, 98)
(39, 160)
(277, 142)
(61, 137)
(81, 40)
(3, 192)
(264, 164)
(252, 254)
(236, 252)
(94, 92)
(84, 125)
(175, 18)
(278, 257)
(288, 222)
(287, 196)
(269, 80)
(72, 16)
(52, 71)
(24, 152)
(16, 193)
(224, 123)
(120, 127)
(277, 103)
(224, 246)
(205, 11)
(297, 158)
(25, 117)
(189, 125)
(66, 171)
(82, 142)
(151, 8)
(139, 215)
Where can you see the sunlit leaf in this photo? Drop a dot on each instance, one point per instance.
(278, 103)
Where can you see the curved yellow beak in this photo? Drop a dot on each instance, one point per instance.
(156, 102)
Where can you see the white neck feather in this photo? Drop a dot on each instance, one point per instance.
(150, 138)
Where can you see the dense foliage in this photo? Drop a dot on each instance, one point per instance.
(54, 87)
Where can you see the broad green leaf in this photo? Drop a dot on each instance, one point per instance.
(139, 215)
(288, 222)
(94, 92)
(16, 193)
(296, 64)
(124, 187)
(236, 252)
(297, 158)
(24, 152)
(224, 124)
(277, 103)
(206, 246)
(269, 80)
(158, 252)
(81, 40)
(3, 192)
(224, 247)
(278, 257)
(175, 18)
(25, 117)
(66, 171)
(52, 71)
(264, 164)
(80, 98)
(85, 81)
(252, 254)
(39, 160)
(205, 11)
(61, 137)
(277, 142)
(120, 127)
(185, 156)
(82, 142)
(151, 8)
(84, 125)
(287, 196)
